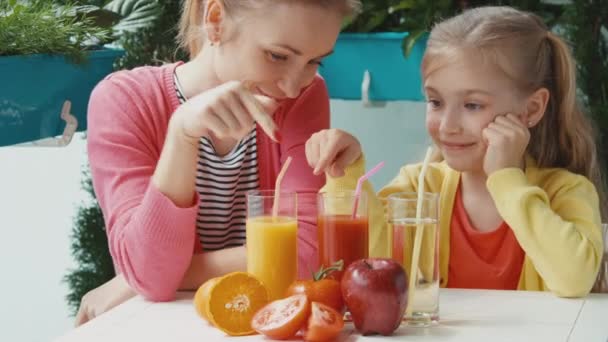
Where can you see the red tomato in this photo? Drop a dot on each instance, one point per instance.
(282, 318)
(326, 291)
(324, 323)
(322, 289)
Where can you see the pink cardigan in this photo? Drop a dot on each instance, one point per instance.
(151, 240)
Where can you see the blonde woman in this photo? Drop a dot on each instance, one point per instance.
(173, 149)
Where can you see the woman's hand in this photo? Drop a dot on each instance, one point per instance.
(102, 299)
(332, 151)
(227, 111)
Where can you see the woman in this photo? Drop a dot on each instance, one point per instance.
(173, 149)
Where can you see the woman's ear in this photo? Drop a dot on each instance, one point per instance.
(215, 14)
(536, 106)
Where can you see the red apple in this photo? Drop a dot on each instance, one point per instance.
(375, 292)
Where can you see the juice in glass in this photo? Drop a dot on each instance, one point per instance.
(272, 254)
(342, 235)
(403, 226)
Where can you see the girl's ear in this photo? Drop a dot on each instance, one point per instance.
(536, 106)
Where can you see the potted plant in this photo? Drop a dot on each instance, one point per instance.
(388, 40)
(368, 61)
(52, 54)
(50, 57)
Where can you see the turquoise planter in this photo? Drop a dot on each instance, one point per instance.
(392, 76)
(34, 90)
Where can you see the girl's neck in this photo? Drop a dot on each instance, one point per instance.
(198, 74)
(478, 202)
(474, 181)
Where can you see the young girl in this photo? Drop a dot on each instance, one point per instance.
(519, 179)
(173, 149)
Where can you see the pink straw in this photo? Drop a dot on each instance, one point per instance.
(277, 188)
(360, 184)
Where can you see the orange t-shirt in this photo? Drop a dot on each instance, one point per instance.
(482, 260)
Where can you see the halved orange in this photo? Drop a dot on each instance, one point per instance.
(229, 302)
(202, 296)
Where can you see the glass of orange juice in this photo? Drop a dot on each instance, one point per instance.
(272, 241)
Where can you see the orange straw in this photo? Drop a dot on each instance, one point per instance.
(277, 187)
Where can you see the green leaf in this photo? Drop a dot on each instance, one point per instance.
(136, 14)
(376, 20)
(100, 17)
(410, 40)
(405, 4)
(43, 27)
(347, 21)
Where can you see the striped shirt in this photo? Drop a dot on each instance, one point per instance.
(222, 182)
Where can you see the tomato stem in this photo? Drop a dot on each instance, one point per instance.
(324, 272)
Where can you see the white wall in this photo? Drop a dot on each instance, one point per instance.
(40, 191)
(394, 133)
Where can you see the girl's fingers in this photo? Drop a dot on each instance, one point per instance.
(312, 151)
(329, 149)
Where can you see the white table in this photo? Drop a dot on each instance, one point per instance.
(466, 315)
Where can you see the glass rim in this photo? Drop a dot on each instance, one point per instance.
(269, 193)
(341, 193)
(412, 196)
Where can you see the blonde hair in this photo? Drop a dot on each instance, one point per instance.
(532, 57)
(191, 38)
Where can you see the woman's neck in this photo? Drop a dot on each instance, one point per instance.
(198, 74)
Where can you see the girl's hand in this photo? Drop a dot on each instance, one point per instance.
(507, 138)
(227, 111)
(332, 151)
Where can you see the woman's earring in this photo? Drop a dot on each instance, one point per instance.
(530, 123)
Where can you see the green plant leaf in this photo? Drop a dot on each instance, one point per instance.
(410, 40)
(347, 21)
(100, 17)
(376, 20)
(136, 14)
(46, 28)
(405, 4)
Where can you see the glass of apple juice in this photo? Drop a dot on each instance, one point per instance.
(405, 226)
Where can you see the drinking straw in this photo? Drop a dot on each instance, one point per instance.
(360, 183)
(418, 237)
(277, 188)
